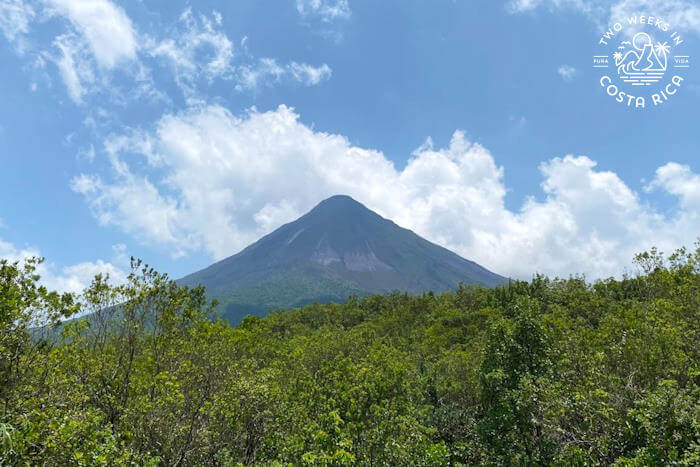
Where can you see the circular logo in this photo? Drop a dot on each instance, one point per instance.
(642, 61)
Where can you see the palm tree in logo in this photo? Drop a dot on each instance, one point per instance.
(663, 49)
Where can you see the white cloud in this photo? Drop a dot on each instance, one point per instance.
(587, 6)
(86, 153)
(214, 181)
(200, 50)
(683, 15)
(74, 278)
(77, 277)
(132, 203)
(252, 75)
(520, 6)
(98, 52)
(308, 74)
(567, 72)
(73, 67)
(267, 71)
(96, 37)
(15, 17)
(12, 253)
(325, 10)
(105, 26)
(679, 180)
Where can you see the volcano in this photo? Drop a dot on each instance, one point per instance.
(338, 249)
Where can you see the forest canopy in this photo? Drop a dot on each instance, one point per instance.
(550, 371)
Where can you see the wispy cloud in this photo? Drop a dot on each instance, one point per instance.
(325, 10)
(586, 6)
(15, 18)
(95, 38)
(325, 17)
(309, 75)
(197, 50)
(73, 66)
(267, 71)
(567, 72)
(99, 43)
(684, 15)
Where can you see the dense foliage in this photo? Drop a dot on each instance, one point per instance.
(546, 372)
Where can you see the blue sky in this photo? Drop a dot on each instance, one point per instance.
(179, 132)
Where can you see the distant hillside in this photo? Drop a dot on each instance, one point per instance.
(339, 248)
